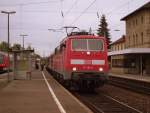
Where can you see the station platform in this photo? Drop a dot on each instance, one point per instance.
(142, 78)
(41, 94)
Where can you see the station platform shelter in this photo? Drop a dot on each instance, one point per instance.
(22, 63)
(130, 61)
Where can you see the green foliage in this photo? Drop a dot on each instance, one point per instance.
(16, 47)
(103, 30)
(36, 55)
(4, 46)
(29, 48)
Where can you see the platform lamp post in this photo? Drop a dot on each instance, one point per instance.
(8, 14)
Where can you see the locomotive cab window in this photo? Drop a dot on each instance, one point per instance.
(95, 45)
(87, 45)
(79, 44)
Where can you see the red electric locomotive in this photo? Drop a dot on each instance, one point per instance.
(3, 62)
(80, 61)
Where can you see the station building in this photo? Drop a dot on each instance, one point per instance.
(131, 53)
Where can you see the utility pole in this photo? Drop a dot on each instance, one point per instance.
(23, 36)
(8, 14)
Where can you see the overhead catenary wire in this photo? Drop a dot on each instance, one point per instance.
(76, 19)
(108, 13)
(31, 3)
(84, 11)
(69, 10)
(62, 14)
(119, 7)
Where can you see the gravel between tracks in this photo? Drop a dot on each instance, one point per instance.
(136, 100)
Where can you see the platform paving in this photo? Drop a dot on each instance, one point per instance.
(33, 96)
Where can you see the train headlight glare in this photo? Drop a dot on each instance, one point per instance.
(88, 53)
(100, 69)
(74, 68)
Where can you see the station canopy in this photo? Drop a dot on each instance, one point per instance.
(130, 51)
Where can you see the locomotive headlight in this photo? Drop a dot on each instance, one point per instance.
(88, 53)
(100, 69)
(74, 68)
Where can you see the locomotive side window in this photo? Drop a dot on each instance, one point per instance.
(1, 59)
(95, 45)
(79, 44)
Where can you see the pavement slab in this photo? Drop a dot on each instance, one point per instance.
(27, 96)
(33, 96)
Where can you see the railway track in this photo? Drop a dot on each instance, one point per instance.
(102, 103)
(134, 85)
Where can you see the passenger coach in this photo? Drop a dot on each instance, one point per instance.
(3, 62)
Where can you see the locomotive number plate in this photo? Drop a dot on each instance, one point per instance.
(88, 61)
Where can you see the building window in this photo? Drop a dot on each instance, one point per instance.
(136, 38)
(129, 24)
(141, 37)
(129, 63)
(142, 19)
(121, 46)
(133, 23)
(149, 19)
(133, 40)
(129, 40)
(117, 62)
(136, 22)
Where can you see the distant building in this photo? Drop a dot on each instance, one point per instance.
(119, 44)
(117, 61)
(131, 53)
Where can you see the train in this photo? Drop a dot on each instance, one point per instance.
(80, 61)
(4, 62)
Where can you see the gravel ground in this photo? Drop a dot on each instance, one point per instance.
(136, 100)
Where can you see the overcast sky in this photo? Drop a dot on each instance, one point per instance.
(35, 17)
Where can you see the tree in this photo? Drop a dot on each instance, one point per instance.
(4, 46)
(16, 47)
(29, 47)
(103, 30)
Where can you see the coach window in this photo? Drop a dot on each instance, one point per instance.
(1, 59)
(55, 50)
(62, 47)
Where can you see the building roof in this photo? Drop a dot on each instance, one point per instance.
(145, 6)
(130, 51)
(120, 40)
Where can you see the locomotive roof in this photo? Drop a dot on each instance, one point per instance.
(80, 36)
